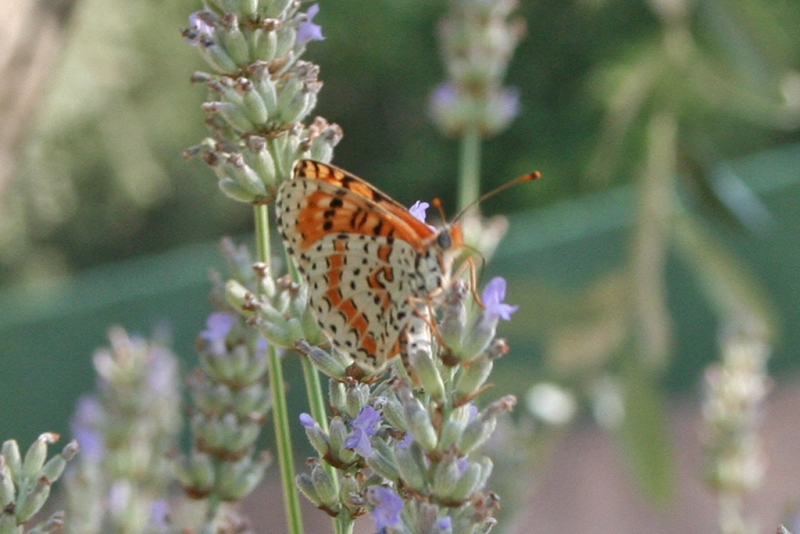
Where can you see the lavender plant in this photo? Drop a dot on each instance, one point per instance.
(735, 390)
(120, 483)
(404, 449)
(25, 484)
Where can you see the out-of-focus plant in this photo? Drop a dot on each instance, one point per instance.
(735, 390)
(126, 431)
(664, 101)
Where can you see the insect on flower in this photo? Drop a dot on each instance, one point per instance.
(366, 258)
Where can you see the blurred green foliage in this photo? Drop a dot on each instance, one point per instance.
(102, 177)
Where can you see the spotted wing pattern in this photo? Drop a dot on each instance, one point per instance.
(363, 255)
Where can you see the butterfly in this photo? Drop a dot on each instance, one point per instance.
(366, 259)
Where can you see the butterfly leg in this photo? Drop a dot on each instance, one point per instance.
(469, 263)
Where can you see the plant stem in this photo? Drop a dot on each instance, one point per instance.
(283, 437)
(469, 178)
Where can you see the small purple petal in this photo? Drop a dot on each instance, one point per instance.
(418, 210)
(219, 325)
(159, 514)
(493, 296)
(359, 442)
(463, 465)
(88, 417)
(444, 96)
(308, 31)
(197, 20)
(364, 426)
(306, 420)
(367, 420)
(388, 507)
(446, 523)
(407, 441)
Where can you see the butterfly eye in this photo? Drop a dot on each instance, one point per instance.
(443, 240)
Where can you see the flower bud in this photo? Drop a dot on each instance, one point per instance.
(287, 36)
(259, 158)
(31, 501)
(451, 432)
(411, 467)
(383, 460)
(254, 106)
(248, 8)
(216, 56)
(233, 115)
(54, 467)
(476, 433)
(237, 479)
(296, 108)
(234, 40)
(13, 460)
(326, 362)
(275, 8)
(265, 86)
(337, 395)
(234, 190)
(252, 401)
(393, 412)
(266, 44)
(468, 482)
(425, 367)
(472, 378)
(316, 436)
(357, 397)
(7, 490)
(307, 487)
(36, 455)
(418, 421)
(324, 486)
(236, 168)
(445, 477)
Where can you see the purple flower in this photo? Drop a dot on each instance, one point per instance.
(418, 210)
(219, 325)
(199, 31)
(445, 523)
(364, 426)
(89, 415)
(388, 506)
(444, 96)
(493, 295)
(159, 515)
(308, 31)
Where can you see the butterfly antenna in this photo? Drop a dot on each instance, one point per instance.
(524, 178)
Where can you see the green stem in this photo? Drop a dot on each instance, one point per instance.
(469, 177)
(283, 437)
